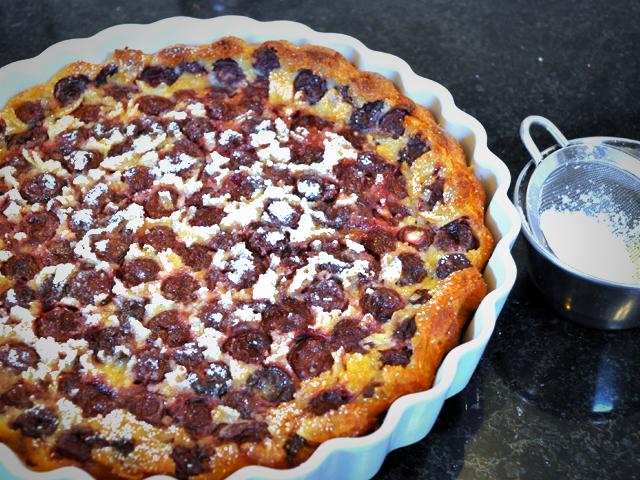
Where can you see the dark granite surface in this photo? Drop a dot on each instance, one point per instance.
(550, 399)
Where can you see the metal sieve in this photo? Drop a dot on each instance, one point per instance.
(596, 179)
(591, 176)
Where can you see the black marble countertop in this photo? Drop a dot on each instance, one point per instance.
(550, 399)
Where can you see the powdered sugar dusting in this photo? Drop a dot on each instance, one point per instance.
(600, 245)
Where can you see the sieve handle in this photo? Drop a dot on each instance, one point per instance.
(525, 135)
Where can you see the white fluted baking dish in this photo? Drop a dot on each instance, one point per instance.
(411, 417)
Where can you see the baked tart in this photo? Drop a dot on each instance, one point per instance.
(224, 255)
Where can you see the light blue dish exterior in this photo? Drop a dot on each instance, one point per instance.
(410, 418)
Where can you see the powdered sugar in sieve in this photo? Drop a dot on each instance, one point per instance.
(583, 203)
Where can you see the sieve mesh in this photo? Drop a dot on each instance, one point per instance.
(592, 187)
(600, 191)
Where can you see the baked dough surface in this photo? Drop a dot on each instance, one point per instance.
(223, 255)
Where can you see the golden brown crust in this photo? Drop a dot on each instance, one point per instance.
(413, 239)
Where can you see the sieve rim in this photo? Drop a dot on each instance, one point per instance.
(520, 194)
